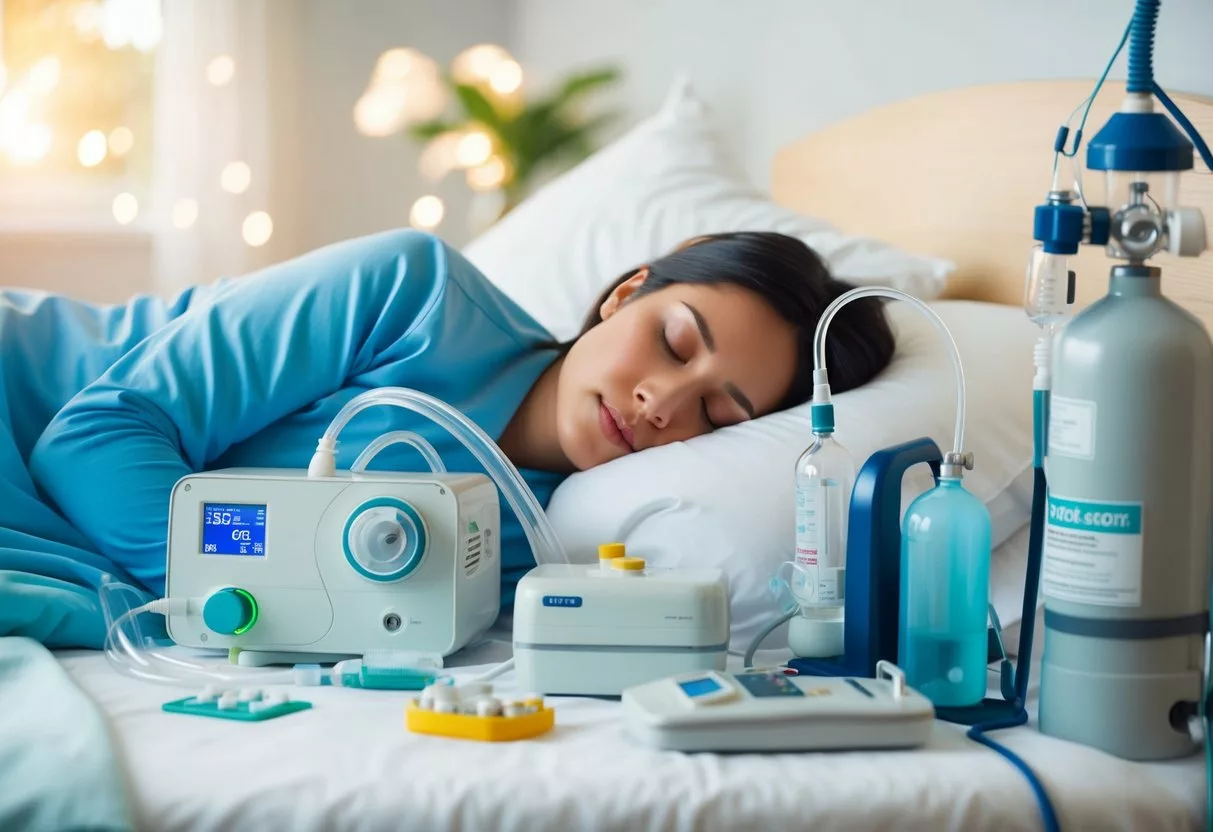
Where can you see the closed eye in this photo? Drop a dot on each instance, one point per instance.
(711, 425)
(669, 348)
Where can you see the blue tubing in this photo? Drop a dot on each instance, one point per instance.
(1141, 47)
(1048, 814)
(1027, 624)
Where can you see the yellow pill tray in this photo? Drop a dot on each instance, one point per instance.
(474, 727)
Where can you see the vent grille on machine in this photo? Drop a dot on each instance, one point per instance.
(471, 558)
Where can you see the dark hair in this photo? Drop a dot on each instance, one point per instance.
(796, 283)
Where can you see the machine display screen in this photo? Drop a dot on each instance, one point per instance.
(233, 529)
(699, 687)
(768, 684)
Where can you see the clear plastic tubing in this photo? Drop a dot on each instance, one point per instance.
(542, 538)
(820, 375)
(399, 437)
(137, 656)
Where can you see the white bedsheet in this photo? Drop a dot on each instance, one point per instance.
(350, 763)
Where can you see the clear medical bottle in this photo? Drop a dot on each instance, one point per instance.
(825, 476)
(945, 591)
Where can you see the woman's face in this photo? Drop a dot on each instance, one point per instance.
(669, 366)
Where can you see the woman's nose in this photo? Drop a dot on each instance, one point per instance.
(659, 401)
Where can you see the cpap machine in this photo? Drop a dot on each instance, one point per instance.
(286, 566)
(273, 561)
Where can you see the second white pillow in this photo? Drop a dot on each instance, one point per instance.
(664, 182)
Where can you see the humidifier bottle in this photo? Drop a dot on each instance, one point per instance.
(825, 476)
(945, 576)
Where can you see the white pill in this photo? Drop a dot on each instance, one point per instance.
(515, 709)
(442, 693)
(228, 701)
(488, 706)
(444, 706)
(248, 695)
(207, 694)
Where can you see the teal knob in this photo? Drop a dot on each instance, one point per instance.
(230, 611)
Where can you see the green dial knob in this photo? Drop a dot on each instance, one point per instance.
(230, 611)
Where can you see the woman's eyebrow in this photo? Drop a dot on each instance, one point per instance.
(730, 388)
(739, 397)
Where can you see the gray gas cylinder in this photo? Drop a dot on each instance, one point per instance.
(1127, 542)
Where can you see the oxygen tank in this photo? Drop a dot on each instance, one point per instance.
(1128, 533)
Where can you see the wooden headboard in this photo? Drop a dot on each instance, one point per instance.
(957, 174)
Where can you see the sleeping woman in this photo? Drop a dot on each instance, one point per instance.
(104, 408)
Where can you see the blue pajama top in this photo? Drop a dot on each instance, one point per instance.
(104, 408)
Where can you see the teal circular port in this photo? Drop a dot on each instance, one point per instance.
(385, 539)
(230, 611)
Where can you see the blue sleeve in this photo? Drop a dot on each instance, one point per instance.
(262, 348)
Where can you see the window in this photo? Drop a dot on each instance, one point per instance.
(76, 120)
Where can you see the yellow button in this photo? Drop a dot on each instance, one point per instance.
(628, 564)
(606, 551)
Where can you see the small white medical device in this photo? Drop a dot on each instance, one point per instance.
(597, 629)
(276, 561)
(766, 710)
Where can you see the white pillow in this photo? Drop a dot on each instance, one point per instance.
(726, 499)
(664, 182)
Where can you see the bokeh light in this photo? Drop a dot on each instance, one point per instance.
(427, 212)
(185, 213)
(506, 77)
(475, 148)
(92, 148)
(475, 65)
(126, 208)
(488, 176)
(220, 70)
(257, 228)
(235, 177)
(121, 141)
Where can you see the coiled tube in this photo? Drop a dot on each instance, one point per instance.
(542, 538)
(820, 374)
(1141, 47)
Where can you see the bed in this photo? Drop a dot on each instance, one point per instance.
(980, 161)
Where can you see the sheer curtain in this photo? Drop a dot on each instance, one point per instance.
(211, 167)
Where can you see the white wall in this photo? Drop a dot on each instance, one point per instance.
(777, 69)
(333, 183)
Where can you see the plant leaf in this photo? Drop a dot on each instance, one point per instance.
(478, 107)
(430, 129)
(583, 82)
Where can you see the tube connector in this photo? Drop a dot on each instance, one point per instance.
(168, 606)
(955, 464)
(821, 386)
(324, 460)
(1042, 358)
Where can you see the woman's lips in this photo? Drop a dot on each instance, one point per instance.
(614, 428)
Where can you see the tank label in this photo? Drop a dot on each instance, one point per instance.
(1092, 552)
(1072, 427)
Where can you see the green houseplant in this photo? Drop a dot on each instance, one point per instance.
(476, 117)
